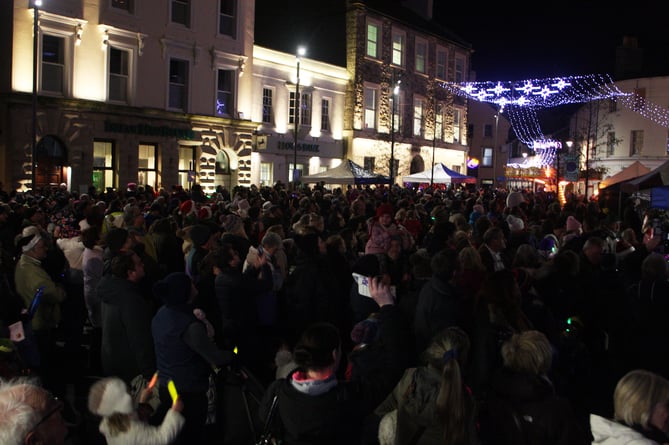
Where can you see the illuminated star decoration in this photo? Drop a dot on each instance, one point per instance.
(521, 99)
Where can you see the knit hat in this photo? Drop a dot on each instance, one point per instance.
(199, 234)
(384, 209)
(204, 212)
(108, 396)
(187, 208)
(573, 225)
(232, 223)
(514, 199)
(173, 289)
(365, 331)
(515, 224)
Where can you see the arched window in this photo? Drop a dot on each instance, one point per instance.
(222, 163)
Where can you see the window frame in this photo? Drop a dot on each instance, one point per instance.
(398, 52)
(374, 109)
(267, 113)
(326, 126)
(185, 85)
(230, 16)
(127, 76)
(421, 56)
(377, 43)
(151, 170)
(105, 169)
(636, 142)
(487, 157)
(129, 8)
(183, 172)
(441, 67)
(418, 113)
(186, 5)
(231, 92)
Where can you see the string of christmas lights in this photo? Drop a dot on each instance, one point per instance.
(521, 99)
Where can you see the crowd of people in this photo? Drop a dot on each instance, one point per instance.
(370, 315)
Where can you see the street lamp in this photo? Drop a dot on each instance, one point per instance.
(434, 140)
(35, 4)
(301, 51)
(396, 92)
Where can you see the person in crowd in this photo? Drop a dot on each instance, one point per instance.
(127, 344)
(185, 354)
(640, 412)
(497, 315)
(382, 229)
(121, 424)
(167, 245)
(432, 404)
(440, 303)
(522, 405)
(30, 415)
(312, 404)
(92, 265)
(493, 250)
(235, 234)
(202, 241)
(29, 277)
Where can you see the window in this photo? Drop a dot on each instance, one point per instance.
(459, 75)
(418, 122)
(181, 12)
(457, 121)
(305, 109)
(103, 165)
(118, 74)
(225, 96)
(178, 84)
(146, 171)
(487, 131)
(368, 163)
(325, 115)
(370, 107)
(455, 168)
(267, 110)
(442, 60)
(610, 143)
(266, 173)
(487, 157)
(186, 164)
(125, 5)
(373, 40)
(421, 56)
(226, 25)
(398, 48)
(636, 142)
(53, 64)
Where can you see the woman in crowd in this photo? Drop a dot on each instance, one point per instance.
(641, 415)
(313, 406)
(432, 404)
(522, 406)
(382, 229)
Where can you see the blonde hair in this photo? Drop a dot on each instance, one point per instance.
(528, 351)
(447, 351)
(636, 394)
(470, 259)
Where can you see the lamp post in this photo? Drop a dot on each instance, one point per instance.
(396, 92)
(301, 51)
(35, 4)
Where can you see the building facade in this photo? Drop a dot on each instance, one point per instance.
(322, 90)
(154, 92)
(609, 135)
(396, 109)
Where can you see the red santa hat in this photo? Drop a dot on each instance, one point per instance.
(187, 208)
(204, 213)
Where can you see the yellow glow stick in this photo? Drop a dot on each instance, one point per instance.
(171, 387)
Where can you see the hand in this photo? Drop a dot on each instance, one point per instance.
(178, 405)
(380, 291)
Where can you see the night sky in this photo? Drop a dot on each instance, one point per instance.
(509, 42)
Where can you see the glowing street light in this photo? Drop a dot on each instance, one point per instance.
(301, 51)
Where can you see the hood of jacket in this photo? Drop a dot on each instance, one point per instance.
(609, 432)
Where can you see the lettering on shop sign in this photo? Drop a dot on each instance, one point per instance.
(300, 147)
(149, 130)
